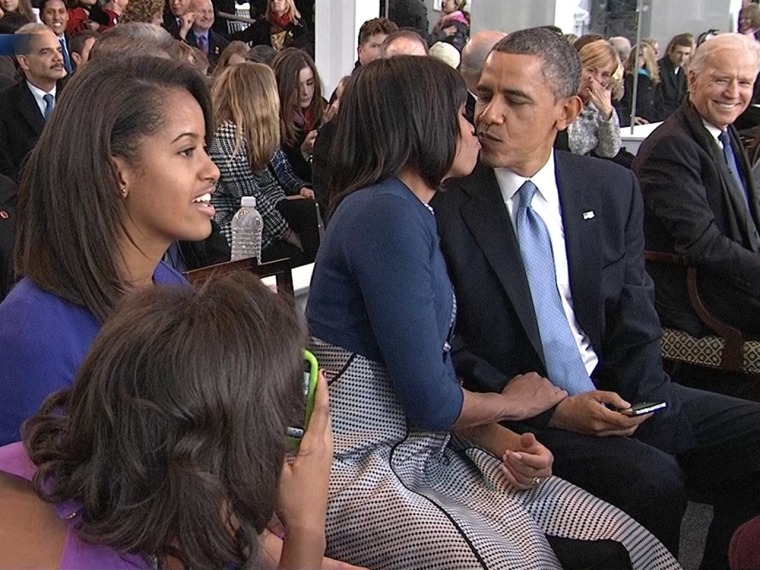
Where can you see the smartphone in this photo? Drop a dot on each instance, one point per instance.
(643, 408)
(310, 377)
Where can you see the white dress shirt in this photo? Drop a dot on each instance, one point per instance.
(546, 204)
(39, 95)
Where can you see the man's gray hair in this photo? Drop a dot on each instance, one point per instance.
(474, 54)
(560, 62)
(22, 45)
(133, 38)
(734, 41)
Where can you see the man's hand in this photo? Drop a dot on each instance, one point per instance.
(527, 395)
(588, 414)
(185, 23)
(525, 466)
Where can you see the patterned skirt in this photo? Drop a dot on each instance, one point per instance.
(406, 498)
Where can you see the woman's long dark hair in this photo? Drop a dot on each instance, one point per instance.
(69, 202)
(395, 113)
(172, 437)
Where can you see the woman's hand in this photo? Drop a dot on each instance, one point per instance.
(601, 97)
(640, 121)
(304, 486)
(307, 146)
(528, 464)
(307, 193)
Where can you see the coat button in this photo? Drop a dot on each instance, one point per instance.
(4, 215)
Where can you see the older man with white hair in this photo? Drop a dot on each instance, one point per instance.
(702, 202)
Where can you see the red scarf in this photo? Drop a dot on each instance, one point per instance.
(282, 21)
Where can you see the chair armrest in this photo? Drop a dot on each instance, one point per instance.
(280, 269)
(734, 340)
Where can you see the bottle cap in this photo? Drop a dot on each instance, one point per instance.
(248, 201)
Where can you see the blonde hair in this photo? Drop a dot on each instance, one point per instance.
(647, 57)
(245, 94)
(291, 10)
(600, 54)
(235, 47)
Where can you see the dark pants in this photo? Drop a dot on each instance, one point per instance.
(649, 481)
(302, 217)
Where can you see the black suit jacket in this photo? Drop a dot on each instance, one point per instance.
(695, 208)
(671, 90)
(216, 44)
(497, 335)
(21, 123)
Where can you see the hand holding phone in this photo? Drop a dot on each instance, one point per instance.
(310, 378)
(643, 408)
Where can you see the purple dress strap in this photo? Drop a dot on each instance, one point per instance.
(77, 554)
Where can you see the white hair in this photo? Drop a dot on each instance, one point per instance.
(734, 41)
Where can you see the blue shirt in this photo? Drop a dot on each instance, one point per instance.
(43, 340)
(380, 289)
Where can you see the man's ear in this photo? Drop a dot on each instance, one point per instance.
(77, 59)
(23, 63)
(570, 108)
(691, 80)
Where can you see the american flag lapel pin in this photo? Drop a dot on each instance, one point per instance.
(588, 215)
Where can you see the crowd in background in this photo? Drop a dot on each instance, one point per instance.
(460, 432)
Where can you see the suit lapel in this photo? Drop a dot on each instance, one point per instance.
(487, 218)
(581, 212)
(732, 193)
(28, 108)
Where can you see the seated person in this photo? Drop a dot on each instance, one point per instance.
(87, 235)
(246, 149)
(169, 449)
(597, 129)
(701, 199)
(424, 477)
(301, 107)
(281, 27)
(647, 78)
(671, 89)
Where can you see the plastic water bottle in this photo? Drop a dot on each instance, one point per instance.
(247, 226)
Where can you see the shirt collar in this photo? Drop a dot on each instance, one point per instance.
(712, 129)
(544, 180)
(39, 93)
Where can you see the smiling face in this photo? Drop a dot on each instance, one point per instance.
(722, 89)
(517, 115)
(55, 16)
(179, 7)
(305, 87)
(167, 192)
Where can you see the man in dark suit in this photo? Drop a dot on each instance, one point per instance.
(701, 200)
(671, 90)
(175, 17)
(55, 16)
(201, 35)
(24, 106)
(546, 253)
(474, 56)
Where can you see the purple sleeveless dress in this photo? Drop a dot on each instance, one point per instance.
(77, 554)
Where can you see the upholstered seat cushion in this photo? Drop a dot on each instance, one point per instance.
(706, 351)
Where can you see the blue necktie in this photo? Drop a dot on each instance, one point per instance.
(203, 44)
(728, 154)
(49, 105)
(66, 58)
(564, 365)
(733, 166)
